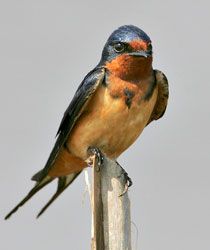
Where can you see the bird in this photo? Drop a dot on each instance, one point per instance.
(110, 109)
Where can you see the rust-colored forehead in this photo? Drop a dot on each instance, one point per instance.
(139, 44)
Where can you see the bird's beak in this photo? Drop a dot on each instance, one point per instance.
(141, 53)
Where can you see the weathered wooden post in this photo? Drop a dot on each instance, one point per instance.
(111, 212)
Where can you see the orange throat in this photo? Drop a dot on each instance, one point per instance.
(130, 68)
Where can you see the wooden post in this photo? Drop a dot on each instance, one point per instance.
(111, 228)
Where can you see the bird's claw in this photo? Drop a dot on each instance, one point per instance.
(128, 181)
(95, 154)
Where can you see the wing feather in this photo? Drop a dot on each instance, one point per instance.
(83, 94)
(74, 110)
(163, 94)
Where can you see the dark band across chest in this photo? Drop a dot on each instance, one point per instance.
(131, 93)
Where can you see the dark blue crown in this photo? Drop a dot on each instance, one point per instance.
(128, 33)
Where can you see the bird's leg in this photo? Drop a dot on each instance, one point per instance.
(95, 155)
(128, 181)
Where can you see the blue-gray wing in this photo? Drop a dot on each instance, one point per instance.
(73, 112)
(83, 94)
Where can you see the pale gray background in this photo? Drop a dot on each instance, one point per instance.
(46, 48)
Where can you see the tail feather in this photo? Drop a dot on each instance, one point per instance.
(34, 190)
(63, 183)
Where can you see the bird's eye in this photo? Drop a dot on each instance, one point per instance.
(119, 47)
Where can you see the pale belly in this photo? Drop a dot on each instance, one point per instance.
(109, 124)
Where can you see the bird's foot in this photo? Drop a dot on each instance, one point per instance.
(95, 155)
(128, 181)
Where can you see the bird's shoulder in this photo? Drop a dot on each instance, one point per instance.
(87, 87)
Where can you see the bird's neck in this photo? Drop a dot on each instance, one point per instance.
(129, 68)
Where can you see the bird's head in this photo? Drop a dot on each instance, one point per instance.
(128, 53)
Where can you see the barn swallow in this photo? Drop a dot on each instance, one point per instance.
(110, 109)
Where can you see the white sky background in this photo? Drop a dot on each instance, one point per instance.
(46, 48)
